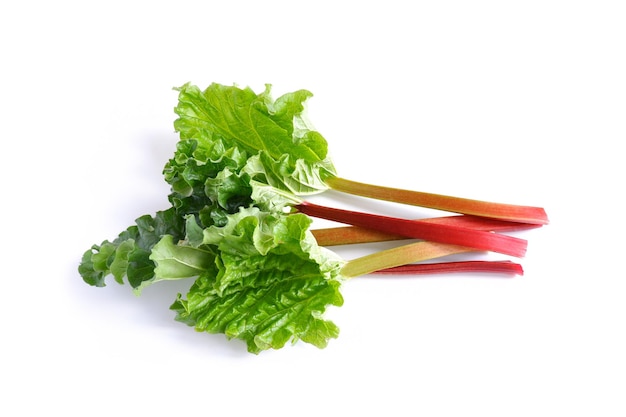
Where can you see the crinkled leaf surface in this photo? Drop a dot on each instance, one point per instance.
(259, 274)
(128, 256)
(269, 283)
(206, 180)
(281, 148)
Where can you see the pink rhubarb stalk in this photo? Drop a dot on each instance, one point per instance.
(416, 229)
(502, 267)
(346, 235)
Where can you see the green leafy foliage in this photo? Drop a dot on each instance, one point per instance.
(279, 146)
(260, 278)
(259, 274)
(206, 180)
(128, 256)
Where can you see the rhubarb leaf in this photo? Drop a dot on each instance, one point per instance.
(205, 179)
(269, 283)
(128, 256)
(265, 315)
(281, 148)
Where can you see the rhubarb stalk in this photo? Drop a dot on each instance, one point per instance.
(398, 256)
(503, 267)
(440, 233)
(509, 212)
(347, 235)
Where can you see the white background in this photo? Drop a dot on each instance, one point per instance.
(519, 102)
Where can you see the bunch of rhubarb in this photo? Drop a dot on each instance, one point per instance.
(240, 226)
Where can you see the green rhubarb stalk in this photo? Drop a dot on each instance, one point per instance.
(509, 212)
(402, 255)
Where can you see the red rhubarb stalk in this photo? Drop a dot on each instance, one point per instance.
(440, 233)
(515, 213)
(503, 267)
(346, 235)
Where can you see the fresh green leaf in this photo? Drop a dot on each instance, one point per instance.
(250, 121)
(269, 283)
(272, 199)
(282, 149)
(175, 261)
(265, 315)
(128, 256)
(286, 173)
(231, 191)
(197, 171)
